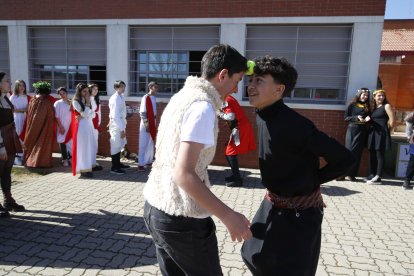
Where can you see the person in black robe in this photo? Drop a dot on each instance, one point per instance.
(287, 227)
(357, 114)
(379, 135)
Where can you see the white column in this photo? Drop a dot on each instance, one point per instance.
(366, 51)
(19, 60)
(235, 36)
(117, 56)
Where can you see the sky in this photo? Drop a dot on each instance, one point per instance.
(398, 9)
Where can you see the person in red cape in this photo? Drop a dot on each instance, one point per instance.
(241, 138)
(40, 134)
(148, 129)
(63, 122)
(20, 101)
(84, 143)
(96, 106)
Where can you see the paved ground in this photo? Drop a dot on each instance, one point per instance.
(95, 227)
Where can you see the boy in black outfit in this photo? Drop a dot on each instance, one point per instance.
(287, 227)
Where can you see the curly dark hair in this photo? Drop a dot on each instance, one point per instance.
(358, 96)
(374, 102)
(78, 96)
(280, 69)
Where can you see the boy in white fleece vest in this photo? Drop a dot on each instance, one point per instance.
(179, 201)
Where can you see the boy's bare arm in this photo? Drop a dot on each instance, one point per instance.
(186, 178)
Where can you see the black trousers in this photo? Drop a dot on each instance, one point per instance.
(64, 151)
(184, 245)
(116, 161)
(282, 243)
(410, 168)
(377, 161)
(356, 136)
(234, 165)
(5, 173)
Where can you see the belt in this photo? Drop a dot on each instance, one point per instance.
(357, 123)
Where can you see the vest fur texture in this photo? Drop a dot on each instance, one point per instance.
(160, 190)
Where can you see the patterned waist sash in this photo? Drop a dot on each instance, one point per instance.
(313, 199)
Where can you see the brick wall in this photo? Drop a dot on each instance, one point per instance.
(109, 9)
(396, 24)
(398, 82)
(331, 122)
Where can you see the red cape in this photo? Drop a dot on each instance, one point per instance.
(95, 120)
(74, 125)
(245, 130)
(150, 117)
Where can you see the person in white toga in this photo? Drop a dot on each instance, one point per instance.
(148, 127)
(117, 127)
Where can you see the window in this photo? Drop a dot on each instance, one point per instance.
(320, 54)
(66, 56)
(4, 50)
(167, 55)
(390, 59)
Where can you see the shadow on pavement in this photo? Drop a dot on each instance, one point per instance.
(337, 191)
(102, 240)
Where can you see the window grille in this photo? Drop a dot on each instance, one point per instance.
(66, 56)
(167, 55)
(320, 54)
(4, 51)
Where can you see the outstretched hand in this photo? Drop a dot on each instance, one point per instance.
(238, 226)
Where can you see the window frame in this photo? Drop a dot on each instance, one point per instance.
(7, 50)
(342, 91)
(36, 69)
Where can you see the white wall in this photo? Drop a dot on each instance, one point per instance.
(117, 56)
(19, 60)
(365, 55)
(235, 35)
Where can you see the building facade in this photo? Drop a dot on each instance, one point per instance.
(335, 46)
(396, 70)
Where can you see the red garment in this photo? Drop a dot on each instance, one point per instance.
(23, 134)
(39, 133)
(95, 120)
(245, 129)
(150, 117)
(74, 125)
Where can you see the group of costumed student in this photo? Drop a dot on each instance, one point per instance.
(377, 138)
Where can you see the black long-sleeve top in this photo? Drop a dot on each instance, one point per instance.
(352, 112)
(289, 149)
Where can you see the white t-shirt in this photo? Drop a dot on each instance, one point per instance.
(198, 124)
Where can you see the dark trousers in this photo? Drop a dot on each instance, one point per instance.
(234, 165)
(5, 173)
(377, 161)
(355, 139)
(116, 161)
(184, 245)
(282, 243)
(64, 151)
(410, 168)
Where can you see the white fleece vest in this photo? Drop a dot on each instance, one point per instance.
(160, 190)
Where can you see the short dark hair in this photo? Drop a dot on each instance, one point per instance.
(42, 91)
(281, 70)
(152, 83)
(62, 88)
(118, 83)
(220, 57)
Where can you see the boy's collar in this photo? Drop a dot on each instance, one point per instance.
(270, 110)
